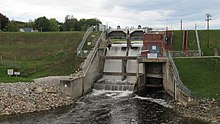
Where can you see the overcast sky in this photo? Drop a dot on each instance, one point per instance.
(131, 13)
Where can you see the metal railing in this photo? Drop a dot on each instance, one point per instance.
(93, 52)
(99, 39)
(177, 79)
(88, 32)
(189, 53)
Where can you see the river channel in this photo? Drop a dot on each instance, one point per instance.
(106, 107)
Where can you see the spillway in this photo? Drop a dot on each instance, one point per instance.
(118, 81)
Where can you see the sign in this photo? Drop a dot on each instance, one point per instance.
(152, 55)
(17, 73)
(154, 47)
(10, 72)
(89, 43)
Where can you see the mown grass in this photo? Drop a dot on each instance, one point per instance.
(177, 40)
(93, 37)
(203, 36)
(200, 75)
(39, 54)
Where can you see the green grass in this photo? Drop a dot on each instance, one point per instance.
(201, 76)
(177, 40)
(39, 54)
(203, 36)
(93, 37)
(214, 41)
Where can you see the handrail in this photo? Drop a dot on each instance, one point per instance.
(185, 53)
(87, 33)
(175, 72)
(99, 39)
(93, 52)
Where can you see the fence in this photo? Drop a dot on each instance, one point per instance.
(179, 83)
(88, 32)
(189, 53)
(10, 61)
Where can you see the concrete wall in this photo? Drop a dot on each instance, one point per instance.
(83, 83)
(168, 83)
(171, 85)
(72, 87)
(93, 71)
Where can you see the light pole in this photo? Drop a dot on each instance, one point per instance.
(208, 18)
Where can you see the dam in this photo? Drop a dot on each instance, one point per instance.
(109, 87)
(130, 60)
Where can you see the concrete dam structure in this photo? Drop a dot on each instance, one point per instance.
(129, 59)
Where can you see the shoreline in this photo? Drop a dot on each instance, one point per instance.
(45, 94)
(206, 110)
(42, 94)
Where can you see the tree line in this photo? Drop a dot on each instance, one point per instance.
(46, 25)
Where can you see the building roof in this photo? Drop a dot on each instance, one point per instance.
(26, 29)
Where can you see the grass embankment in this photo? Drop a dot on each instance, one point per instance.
(201, 76)
(39, 54)
(91, 41)
(203, 37)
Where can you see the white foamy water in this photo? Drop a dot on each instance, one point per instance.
(109, 93)
(158, 101)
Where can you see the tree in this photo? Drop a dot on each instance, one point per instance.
(29, 24)
(84, 24)
(93, 22)
(42, 24)
(3, 21)
(12, 26)
(54, 25)
(70, 23)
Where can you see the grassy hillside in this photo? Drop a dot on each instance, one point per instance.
(200, 75)
(38, 54)
(203, 36)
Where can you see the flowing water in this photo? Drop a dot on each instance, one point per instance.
(107, 107)
(112, 65)
(116, 82)
(132, 64)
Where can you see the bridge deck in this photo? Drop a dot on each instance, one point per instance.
(121, 57)
(159, 59)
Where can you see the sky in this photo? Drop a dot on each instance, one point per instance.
(126, 13)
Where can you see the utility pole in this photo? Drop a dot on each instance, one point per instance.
(208, 18)
(181, 24)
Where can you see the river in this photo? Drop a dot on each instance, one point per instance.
(107, 107)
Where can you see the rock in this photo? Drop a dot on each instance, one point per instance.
(16, 98)
(38, 90)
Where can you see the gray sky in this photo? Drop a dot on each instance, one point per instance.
(131, 13)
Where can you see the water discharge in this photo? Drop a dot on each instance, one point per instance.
(116, 82)
(105, 107)
(114, 65)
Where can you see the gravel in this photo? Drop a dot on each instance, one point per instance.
(42, 94)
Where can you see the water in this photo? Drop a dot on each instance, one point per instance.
(112, 86)
(132, 64)
(112, 65)
(106, 107)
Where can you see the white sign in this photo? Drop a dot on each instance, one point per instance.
(10, 72)
(152, 55)
(17, 73)
(154, 47)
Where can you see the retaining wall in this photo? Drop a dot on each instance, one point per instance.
(82, 82)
